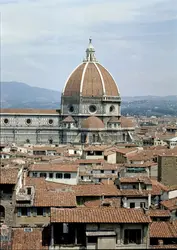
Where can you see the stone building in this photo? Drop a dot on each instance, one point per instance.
(90, 112)
(167, 169)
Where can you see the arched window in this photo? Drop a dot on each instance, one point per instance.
(27, 141)
(2, 212)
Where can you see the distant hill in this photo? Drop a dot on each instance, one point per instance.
(22, 95)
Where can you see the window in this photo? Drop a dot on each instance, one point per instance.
(92, 108)
(92, 239)
(71, 109)
(51, 175)
(27, 141)
(2, 212)
(132, 236)
(34, 174)
(111, 109)
(43, 175)
(40, 211)
(113, 171)
(102, 171)
(50, 141)
(67, 176)
(29, 191)
(28, 121)
(6, 121)
(23, 211)
(59, 175)
(50, 121)
(132, 205)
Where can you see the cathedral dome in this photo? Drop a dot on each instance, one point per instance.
(90, 79)
(92, 122)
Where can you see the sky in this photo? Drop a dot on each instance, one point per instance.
(42, 41)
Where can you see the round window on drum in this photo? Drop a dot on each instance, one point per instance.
(28, 121)
(6, 121)
(112, 109)
(50, 121)
(92, 108)
(71, 108)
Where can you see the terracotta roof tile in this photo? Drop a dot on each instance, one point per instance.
(140, 165)
(163, 229)
(159, 213)
(92, 122)
(8, 175)
(96, 190)
(110, 85)
(127, 122)
(96, 148)
(54, 199)
(114, 202)
(142, 179)
(99, 215)
(69, 167)
(170, 204)
(27, 240)
(113, 119)
(68, 119)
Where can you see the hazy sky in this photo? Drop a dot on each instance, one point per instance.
(42, 41)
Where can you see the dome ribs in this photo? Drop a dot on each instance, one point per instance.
(74, 81)
(92, 85)
(110, 85)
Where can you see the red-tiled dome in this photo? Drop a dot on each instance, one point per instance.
(92, 122)
(90, 79)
